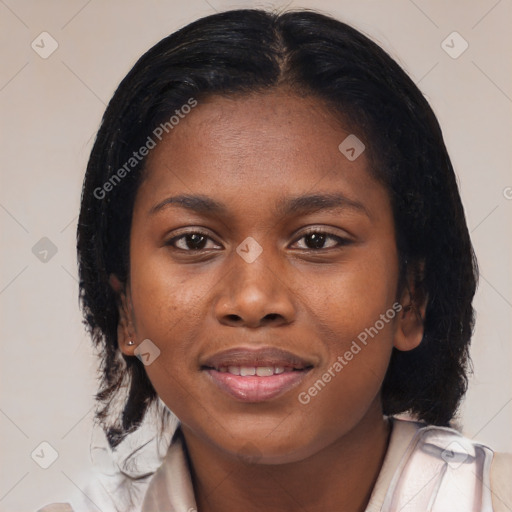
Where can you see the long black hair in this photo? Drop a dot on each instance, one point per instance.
(246, 51)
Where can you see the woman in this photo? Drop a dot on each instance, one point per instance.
(272, 246)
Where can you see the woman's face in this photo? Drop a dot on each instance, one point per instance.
(253, 230)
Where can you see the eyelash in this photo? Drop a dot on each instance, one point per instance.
(340, 240)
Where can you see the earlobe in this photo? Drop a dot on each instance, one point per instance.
(125, 339)
(411, 320)
(115, 284)
(125, 331)
(410, 328)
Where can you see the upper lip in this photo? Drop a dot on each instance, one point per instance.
(265, 356)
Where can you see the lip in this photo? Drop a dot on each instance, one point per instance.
(256, 388)
(264, 356)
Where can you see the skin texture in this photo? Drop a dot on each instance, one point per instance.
(251, 153)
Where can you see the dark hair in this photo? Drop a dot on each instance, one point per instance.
(247, 51)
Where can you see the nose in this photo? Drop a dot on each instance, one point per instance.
(253, 295)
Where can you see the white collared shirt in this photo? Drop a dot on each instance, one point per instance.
(425, 468)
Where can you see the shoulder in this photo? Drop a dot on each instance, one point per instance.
(501, 482)
(493, 469)
(119, 477)
(107, 493)
(433, 463)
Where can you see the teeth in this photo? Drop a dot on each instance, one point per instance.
(260, 371)
(235, 370)
(264, 371)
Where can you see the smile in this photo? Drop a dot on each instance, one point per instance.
(255, 384)
(260, 371)
(255, 375)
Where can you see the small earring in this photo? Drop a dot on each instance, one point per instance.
(130, 343)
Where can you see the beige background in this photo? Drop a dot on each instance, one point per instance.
(50, 111)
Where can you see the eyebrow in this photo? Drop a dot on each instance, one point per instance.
(302, 205)
(197, 203)
(313, 202)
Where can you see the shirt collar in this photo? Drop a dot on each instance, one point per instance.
(171, 489)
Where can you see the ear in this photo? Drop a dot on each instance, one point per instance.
(411, 318)
(125, 330)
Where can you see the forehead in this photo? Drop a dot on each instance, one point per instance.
(256, 146)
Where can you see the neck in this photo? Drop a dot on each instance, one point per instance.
(339, 477)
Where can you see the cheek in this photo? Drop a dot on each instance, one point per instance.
(165, 298)
(353, 311)
(350, 298)
(358, 346)
(168, 306)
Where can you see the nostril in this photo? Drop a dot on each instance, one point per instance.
(233, 318)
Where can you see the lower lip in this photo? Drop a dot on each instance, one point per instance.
(256, 389)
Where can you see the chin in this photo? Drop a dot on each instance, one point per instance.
(271, 449)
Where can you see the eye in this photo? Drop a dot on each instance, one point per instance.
(196, 241)
(192, 241)
(318, 239)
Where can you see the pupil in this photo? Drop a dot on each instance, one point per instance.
(195, 241)
(315, 240)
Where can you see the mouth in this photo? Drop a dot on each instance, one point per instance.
(256, 375)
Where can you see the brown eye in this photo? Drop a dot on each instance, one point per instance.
(195, 241)
(320, 240)
(192, 242)
(315, 240)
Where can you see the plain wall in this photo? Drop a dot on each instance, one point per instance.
(50, 111)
